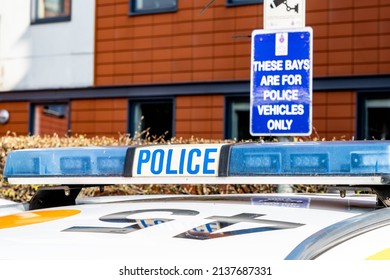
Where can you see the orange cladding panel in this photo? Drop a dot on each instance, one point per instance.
(189, 46)
(334, 115)
(100, 117)
(18, 118)
(199, 117)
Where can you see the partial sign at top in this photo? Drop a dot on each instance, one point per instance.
(282, 14)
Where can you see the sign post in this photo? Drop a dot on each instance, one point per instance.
(281, 75)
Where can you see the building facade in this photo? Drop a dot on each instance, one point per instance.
(174, 69)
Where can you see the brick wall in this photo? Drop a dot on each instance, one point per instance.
(101, 117)
(173, 47)
(334, 115)
(199, 116)
(350, 37)
(18, 119)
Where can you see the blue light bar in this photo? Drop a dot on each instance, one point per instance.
(71, 161)
(335, 162)
(311, 158)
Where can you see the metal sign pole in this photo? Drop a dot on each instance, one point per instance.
(284, 14)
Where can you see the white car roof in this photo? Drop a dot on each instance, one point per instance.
(57, 225)
(246, 225)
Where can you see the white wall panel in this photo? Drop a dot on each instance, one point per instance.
(49, 55)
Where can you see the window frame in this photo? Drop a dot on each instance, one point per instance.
(362, 117)
(233, 3)
(131, 123)
(137, 12)
(32, 116)
(228, 127)
(36, 20)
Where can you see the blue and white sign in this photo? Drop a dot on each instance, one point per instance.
(281, 82)
(179, 160)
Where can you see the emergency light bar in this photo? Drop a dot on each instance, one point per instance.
(336, 162)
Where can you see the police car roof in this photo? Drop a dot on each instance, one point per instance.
(343, 163)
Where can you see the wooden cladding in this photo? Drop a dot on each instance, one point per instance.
(350, 37)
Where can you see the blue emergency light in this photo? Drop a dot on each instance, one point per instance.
(316, 162)
(70, 161)
(311, 158)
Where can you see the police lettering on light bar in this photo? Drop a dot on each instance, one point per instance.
(179, 160)
(368, 162)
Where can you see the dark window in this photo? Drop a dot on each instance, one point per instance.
(373, 116)
(44, 11)
(49, 119)
(151, 119)
(377, 119)
(152, 6)
(55, 110)
(242, 2)
(378, 128)
(237, 118)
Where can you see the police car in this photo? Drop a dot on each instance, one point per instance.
(337, 225)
